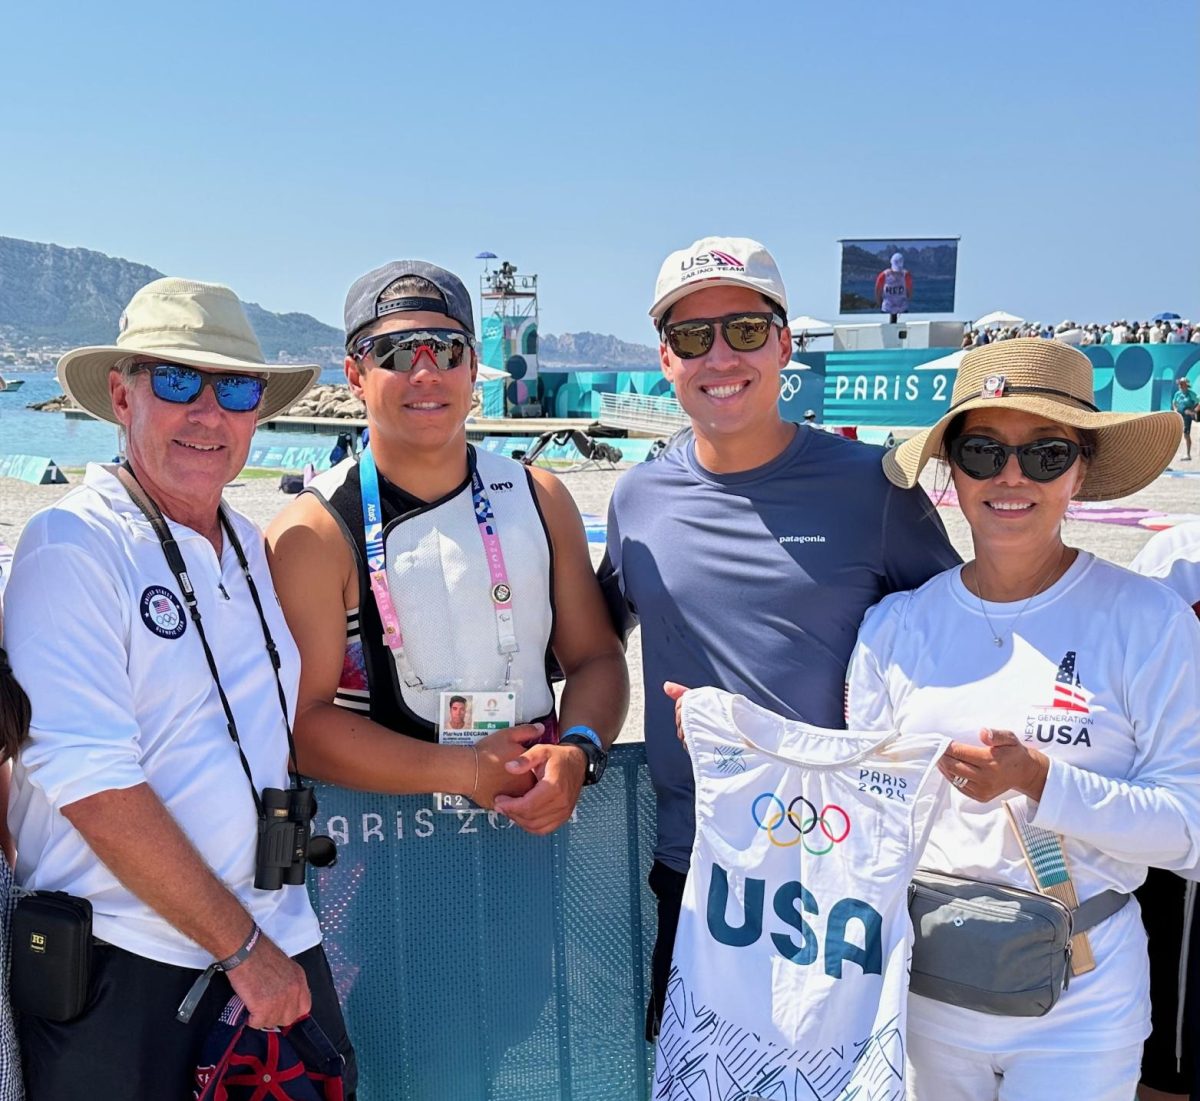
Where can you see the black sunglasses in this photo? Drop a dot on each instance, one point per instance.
(400, 351)
(981, 457)
(182, 385)
(743, 332)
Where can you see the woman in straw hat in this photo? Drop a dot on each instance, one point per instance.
(1062, 680)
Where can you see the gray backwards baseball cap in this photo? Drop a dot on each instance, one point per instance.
(363, 305)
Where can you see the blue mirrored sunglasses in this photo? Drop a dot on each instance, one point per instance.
(182, 385)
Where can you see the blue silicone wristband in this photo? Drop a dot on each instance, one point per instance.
(586, 732)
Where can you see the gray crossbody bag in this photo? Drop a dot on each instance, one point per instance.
(994, 948)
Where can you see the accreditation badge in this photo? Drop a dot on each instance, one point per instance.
(463, 718)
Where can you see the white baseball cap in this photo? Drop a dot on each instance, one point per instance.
(717, 262)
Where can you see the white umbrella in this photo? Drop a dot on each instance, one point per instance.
(943, 363)
(806, 324)
(998, 317)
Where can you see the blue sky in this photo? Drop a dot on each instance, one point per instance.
(286, 148)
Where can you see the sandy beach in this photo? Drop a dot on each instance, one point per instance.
(260, 498)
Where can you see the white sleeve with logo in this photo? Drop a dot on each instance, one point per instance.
(1152, 816)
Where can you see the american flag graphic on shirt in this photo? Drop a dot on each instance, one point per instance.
(1068, 694)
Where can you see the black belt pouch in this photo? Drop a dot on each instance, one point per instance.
(51, 955)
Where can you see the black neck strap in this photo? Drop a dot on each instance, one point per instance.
(174, 557)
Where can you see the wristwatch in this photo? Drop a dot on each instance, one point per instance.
(593, 749)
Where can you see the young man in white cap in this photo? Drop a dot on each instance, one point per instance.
(751, 553)
(141, 620)
(473, 570)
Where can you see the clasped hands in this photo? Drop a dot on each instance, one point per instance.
(535, 784)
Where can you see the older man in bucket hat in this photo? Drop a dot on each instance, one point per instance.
(141, 620)
(750, 552)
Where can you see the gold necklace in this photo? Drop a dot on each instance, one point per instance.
(1045, 582)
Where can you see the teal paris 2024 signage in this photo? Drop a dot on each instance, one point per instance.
(912, 387)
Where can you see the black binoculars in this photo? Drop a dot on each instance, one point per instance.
(285, 841)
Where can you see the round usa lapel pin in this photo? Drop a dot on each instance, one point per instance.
(993, 386)
(162, 612)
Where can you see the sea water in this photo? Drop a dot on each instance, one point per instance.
(71, 441)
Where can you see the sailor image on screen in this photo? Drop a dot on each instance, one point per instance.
(893, 286)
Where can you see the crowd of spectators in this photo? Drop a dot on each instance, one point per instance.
(1115, 332)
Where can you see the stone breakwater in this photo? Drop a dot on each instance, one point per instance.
(52, 405)
(331, 400)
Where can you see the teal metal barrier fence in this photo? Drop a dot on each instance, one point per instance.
(475, 962)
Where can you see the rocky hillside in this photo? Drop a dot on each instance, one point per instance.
(54, 298)
(595, 350)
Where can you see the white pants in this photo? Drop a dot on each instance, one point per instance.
(938, 1071)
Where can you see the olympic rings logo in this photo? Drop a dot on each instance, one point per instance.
(790, 384)
(803, 817)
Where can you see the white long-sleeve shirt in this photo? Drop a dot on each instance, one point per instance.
(99, 637)
(1098, 673)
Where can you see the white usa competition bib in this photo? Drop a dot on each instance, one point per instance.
(790, 972)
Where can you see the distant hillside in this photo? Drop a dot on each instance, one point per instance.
(595, 349)
(54, 298)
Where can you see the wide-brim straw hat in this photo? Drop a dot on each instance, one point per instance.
(1052, 380)
(182, 321)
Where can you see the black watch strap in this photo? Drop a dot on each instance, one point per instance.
(596, 757)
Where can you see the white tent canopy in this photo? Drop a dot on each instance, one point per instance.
(998, 317)
(806, 324)
(944, 363)
(487, 374)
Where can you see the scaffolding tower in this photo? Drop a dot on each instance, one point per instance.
(509, 309)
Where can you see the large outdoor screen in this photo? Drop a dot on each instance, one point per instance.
(898, 275)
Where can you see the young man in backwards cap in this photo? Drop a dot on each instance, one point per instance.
(751, 552)
(481, 570)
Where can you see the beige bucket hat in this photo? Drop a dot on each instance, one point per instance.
(1053, 380)
(182, 321)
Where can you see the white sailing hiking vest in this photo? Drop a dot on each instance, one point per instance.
(790, 973)
(440, 584)
(895, 292)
